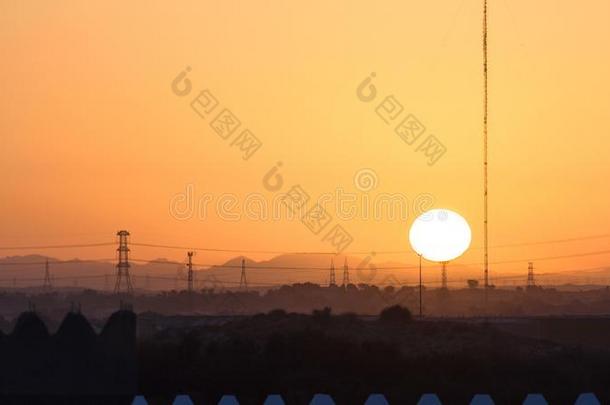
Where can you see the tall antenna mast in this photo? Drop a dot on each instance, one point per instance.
(485, 231)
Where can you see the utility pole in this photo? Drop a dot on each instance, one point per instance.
(190, 272)
(122, 278)
(243, 282)
(420, 290)
(444, 276)
(331, 281)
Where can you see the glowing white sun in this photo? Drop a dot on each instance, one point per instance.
(440, 235)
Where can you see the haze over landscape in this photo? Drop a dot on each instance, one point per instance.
(96, 141)
(347, 198)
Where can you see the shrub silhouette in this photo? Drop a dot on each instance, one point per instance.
(322, 316)
(395, 314)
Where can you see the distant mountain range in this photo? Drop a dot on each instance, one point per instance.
(157, 274)
(22, 271)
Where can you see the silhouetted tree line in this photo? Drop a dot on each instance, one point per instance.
(363, 299)
(297, 355)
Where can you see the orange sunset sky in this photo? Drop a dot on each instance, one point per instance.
(93, 140)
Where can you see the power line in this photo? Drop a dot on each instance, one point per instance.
(410, 284)
(564, 272)
(123, 263)
(56, 262)
(234, 250)
(549, 242)
(238, 266)
(56, 246)
(569, 256)
(406, 251)
(543, 258)
(54, 278)
(170, 262)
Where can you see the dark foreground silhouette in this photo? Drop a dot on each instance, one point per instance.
(297, 355)
(74, 365)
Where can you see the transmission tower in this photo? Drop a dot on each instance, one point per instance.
(190, 272)
(444, 276)
(123, 280)
(530, 275)
(243, 282)
(46, 285)
(332, 281)
(345, 273)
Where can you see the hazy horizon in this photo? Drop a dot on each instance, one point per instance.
(95, 139)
